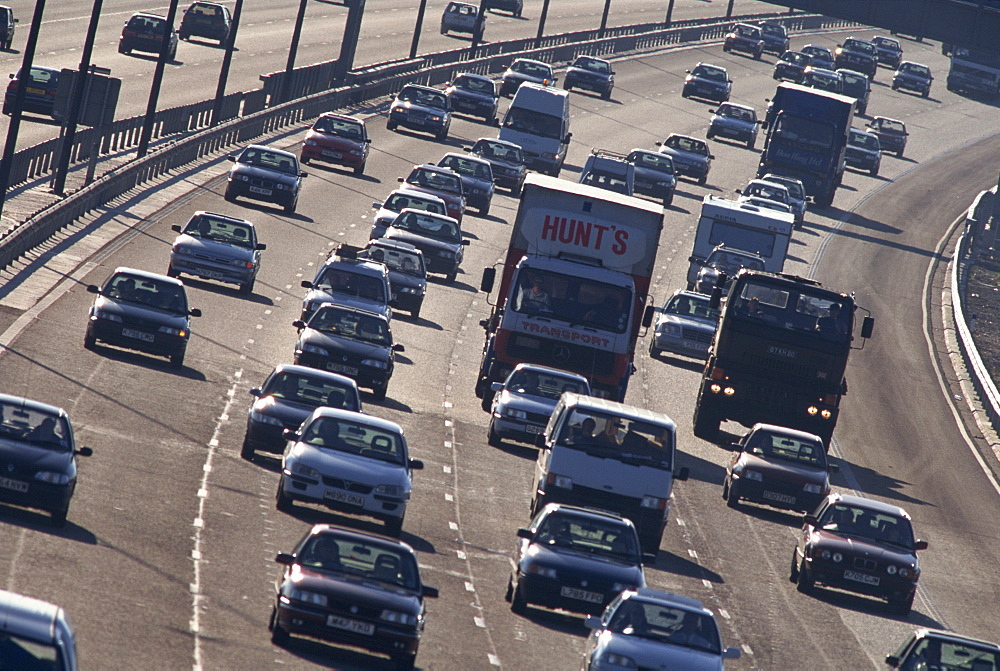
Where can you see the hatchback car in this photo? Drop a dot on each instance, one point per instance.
(506, 159)
(685, 325)
(891, 134)
(39, 457)
(441, 182)
(288, 396)
(778, 467)
(521, 405)
(265, 174)
(938, 649)
(727, 261)
(350, 462)
(525, 70)
(437, 236)
(35, 634)
(863, 152)
(475, 95)
(796, 194)
(477, 179)
(407, 272)
(352, 588)
(791, 65)
(421, 108)
(858, 55)
(591, 74)
(655, 176)
(399, 200)
(216, 247)
(575, 559)
(746, 38)
(337, 139)
(462, 17)
(856, 85)
(775, 37)
(345, 278)
(821, 57)
(887, 51)
(913, 77)
(735, 122)
(822, 79)
(513, 6)
(350, 341)
(691, 156)
(144, 32)
(206, 19)
(8, 25)
(650, 629)
(141, 311)
(859, 545)
(39, 91)
(707, 81)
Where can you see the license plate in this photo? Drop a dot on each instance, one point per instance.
(861, 577)
(341, 368)
(415, 122)
(332, 154)
(213, 274)
(344, 497)
(696, 346)
(582, 595)
(263, 192)
(32, 89)
(138, 335)
(783, 498)
(531, 428)
(16, 485)
(336, 622)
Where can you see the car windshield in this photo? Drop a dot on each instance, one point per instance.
(38, 428)
(353, 437)
(352, 325)
(932, 652)
(860, 46)
(566, 532)
(545, 384)
(475, 84)
(768, 191)
(772, 29)
(464, 166)
(438, 180)
(687, 305)
(356, 557)
(532, 69)
(737, 112)
(263, 158)
(795, 58)
(606, 180)
(794, 187)
(572, 299)
(853, 83)
(665, 623)
(498, 151)
(652, 161)
(744, 30)
(42, 76)
(886, 43)
(808, 133)
(889, 126)
(793, 310)
(713, 74)
(864, 140)
(819, 53)
(872, 525)
(398, 202)
(731, 261)
(207, 227)
(688, 144)
(310, 391)
(403, 260)
(350, 129)
(428, 225)
(533, 123)
(146, 24)
(425, 97)
(625, 439)
(337, 279)
(148, 292)
(915, 69)
(592, 64)
(796, 450)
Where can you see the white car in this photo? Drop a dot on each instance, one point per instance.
(796, 194)
(686, 325)
(521, 405)
(399, 200)
(350, 462)
(759, 188)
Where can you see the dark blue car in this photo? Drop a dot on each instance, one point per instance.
(39, 93)
(266, 174)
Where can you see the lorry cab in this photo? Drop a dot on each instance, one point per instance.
(538, 122)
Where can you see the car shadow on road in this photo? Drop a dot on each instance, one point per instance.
(554, 620)
(40, 521)
(150, 361)
(315, 515)
(265, 208)
(872, 606)
(332, 656)
(682, 566)
(518, 450)
(700, 469)
(788, 518)
(679, 361)
(457, 284)
(335, 170)
(388, 402)
(419, 321)
(225, 289)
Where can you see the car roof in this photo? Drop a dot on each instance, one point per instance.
(342, 117)
(914, 63)
(532, 60)
(591, 513)
(309, 371)
(871, 504)
(421, 87)
(149, 15)
(358, 265)
(762, 180)
(280, 152)
(710, 66)
(473, 75)
(885, 118)
(395, 244)
(738, 105)
(851, 72)
(361, 535)
(148, 275)
(436, 168)
(435, 215)
(695, 294)
(581, 402)
(27, 617)
(861, 131)
(32, 404)
(925, 632)
(413, 193)
(358, 417)
(224, 217)
(780, 179)
(467, 157)
(785, 431)
(684, 602)
(689, 137)
(551, 371)
(497, 140)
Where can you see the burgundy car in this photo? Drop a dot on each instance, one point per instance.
(337, 139)
(859, 545)
(778, 467)
(441, 182)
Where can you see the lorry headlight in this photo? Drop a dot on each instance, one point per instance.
(812, 488)
(560, 481)
(654, 502)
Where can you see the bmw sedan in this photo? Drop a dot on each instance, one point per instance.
(421, 108)
(265, 174)
(707, 81)
(216, 247)
(337, 139)
(691, 156)
(438, 237)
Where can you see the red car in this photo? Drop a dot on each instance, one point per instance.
(441, 182)
(337, 139)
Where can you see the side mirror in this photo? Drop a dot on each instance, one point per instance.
(290, 434)
(466, 242)
(567, 138)
(376, 205)
(489, 277)
(892, 660)
(398, 347)
(682, 473)
(195, 312)
(867, 326)
(232, 157)
(525, 533)
(93, 289)
(711, 157)
(261, 246)
(833, 468)
(85, 451)
(285, 558)
(299, 324)
(303, 174)
(429, 592)
(306, 284)
(416, 465)
(399, 179)
(920, 545)
(496, 386)
(732, 652)
(256, 392)
(593, 622)
(647, 316)
(176, 227)
(711, 111)
(368, 140)
(809, 519)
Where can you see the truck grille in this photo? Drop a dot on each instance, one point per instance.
(777, 368)
(559, 354)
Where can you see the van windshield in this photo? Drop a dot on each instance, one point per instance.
(626, 439)
(533, 123)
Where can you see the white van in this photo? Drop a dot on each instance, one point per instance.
(610, 456)
(538, 122)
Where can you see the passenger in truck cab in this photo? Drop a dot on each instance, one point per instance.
(605, 313)
(832, 323)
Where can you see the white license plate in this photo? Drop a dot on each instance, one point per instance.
(861, 577)
(782, 498)
(336, 622)
(531, 428)
(582, 595)
(332, 154)
(415, 122)
(696, 346)
(16, 485)
(344, 497)
(138, 335)
(213, 274)
(263, 192)
(341, 368)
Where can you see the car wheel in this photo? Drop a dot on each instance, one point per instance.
(492, 437)
(653, 352)
(391, 125)
(752, 143)
(758, 54)
(171, 271)
(359, 169)
(305, 160)
(177, 358)
(404, 662)
(894, 87)
(899, 154)
(89, 341)
(380, 392)
(668, 201)
(684, 93)
(518, 605)
(283, 502)
(278, 634)
(702, 180)
(710, 134)
(58, 517)
(452, 275)
(415, 313)
(246, 450)
(804, 582)
(731, 493)
(725, 48)
(902, 606)
(442, 135)
(290, 208)
(247, 287)
(485, 210)
(793, 573)
(229, 197)
(394, 526)
(874, 171)
(567, 86)
(926, 93)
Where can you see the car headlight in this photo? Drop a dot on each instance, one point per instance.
(310, 143)
(622, 586)
(543, 571)
(436, 117)
(306, 596)
(812, 488)
(548, 155)
(242, 178)
(280, 186)
(241, 263)
(665, 183)
(181, 250)
(891, 569)
(409, 290)
(669, 329)
(514, 413)
(314, 349)
(446, 253)
(904, 572)
(172, 331)
(396, 617)
(258, 417)
(109, 316)
(298, 468)
(52, 477)
(355, 152)
(476, 192)
(375, 363)
(753, 475)
(399, 110)
(391, 490)
(614, 659)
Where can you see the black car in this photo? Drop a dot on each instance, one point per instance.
(857, 55)
(791, 65)
(654, 175)
(513, 6)
(913, 77)
(856, 85)
(141, 311)
(590, 74)
(573, 558)
(475, 95)
(736, 122)
(887, 51)
(407, 272)
(206, 19)
(859, 545)
(37, 456)
(691, 156)
(506, 160)
(265, 174)
(891, 134)
(821, 56)
(7, 27)
(289, 395)
(746, 38)
(349, 341)
(144, 32)
(421, 108)
(477, 179)
(352, 588)
(437, 236)
(775, 37)
(863, 152)
(39, 93)
(707, 81)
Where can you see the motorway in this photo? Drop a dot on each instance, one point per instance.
(167, 560)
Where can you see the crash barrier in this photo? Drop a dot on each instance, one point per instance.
(367, 84)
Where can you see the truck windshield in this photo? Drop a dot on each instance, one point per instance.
(572, 299)
(794, 309)
(807, 132)
(740, 237)
(617, 437)
(533, 123)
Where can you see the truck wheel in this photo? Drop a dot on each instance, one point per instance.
(706, 424)
(825, 200)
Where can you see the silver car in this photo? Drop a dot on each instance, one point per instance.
(35, 634)
(399, 200)
(216, 247)
(686, 325)
(521, 405)
(796, 194)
